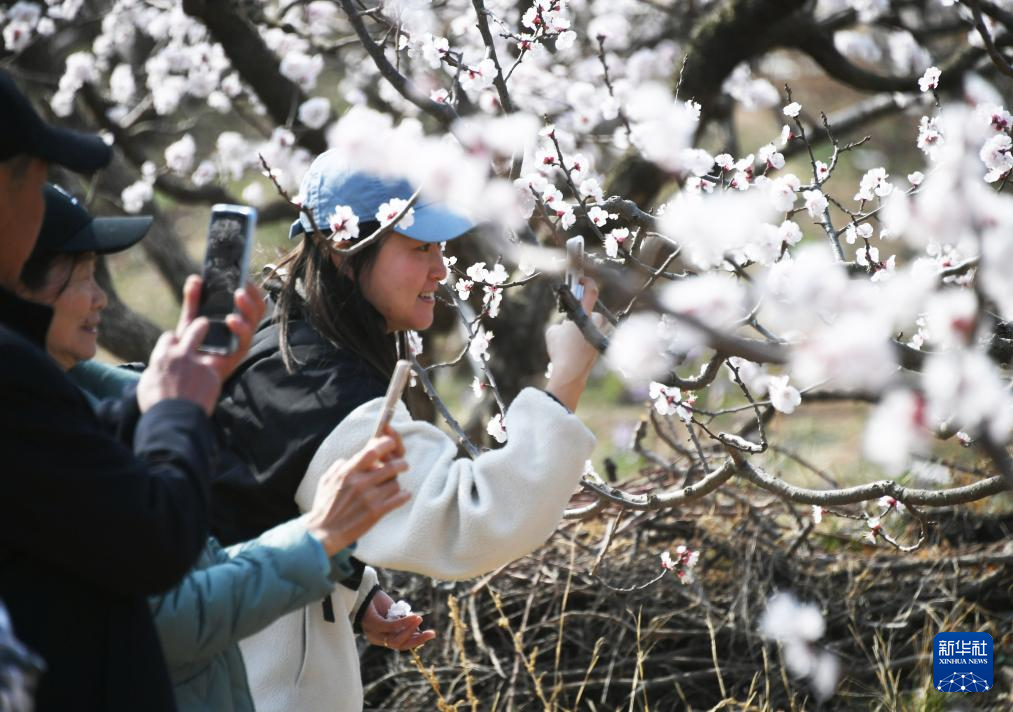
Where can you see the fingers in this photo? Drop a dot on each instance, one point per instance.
(193, 335)
(418, 639)
(381, 627)
(382, 507)
(249, 305)
(590, 294)
(191, 303)
(399, 640)
(375, 450)
(242, 329)
(387, 472)
(399, 450)
(165, 341)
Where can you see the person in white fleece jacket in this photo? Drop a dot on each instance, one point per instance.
(315, 377)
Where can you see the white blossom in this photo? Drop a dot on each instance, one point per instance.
(930, 80)
(315, 112)
(613, 240)
(301, 68)
(135, 196)
(874, 184)
(399, 610)
(815, 204)
(388, 212)
(783, 397)
(179, 155)
(895, 431)
(497, 428)
(479, 347)
(344, 224)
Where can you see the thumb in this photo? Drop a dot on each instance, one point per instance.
(590, 294)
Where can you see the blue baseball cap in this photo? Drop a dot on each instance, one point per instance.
(330, 183)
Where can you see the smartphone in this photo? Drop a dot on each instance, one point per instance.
(397, 385)
(575, 266)
(230, 235)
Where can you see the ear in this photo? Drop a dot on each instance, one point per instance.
(342, 266)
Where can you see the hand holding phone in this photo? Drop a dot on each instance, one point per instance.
(397, 385)
(230, 236)
(575, 266)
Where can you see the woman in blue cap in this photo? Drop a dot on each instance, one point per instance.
(310, 390)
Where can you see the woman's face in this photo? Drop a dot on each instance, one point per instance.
(401, 283)
(77, 303)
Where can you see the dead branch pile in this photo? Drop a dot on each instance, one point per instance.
(576, 627)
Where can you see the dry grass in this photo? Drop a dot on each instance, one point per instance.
(546, 634)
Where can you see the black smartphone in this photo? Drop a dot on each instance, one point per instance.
(230, 235)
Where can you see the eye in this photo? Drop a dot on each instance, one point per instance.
(424, 247)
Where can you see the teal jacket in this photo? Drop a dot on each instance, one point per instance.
(229, 594)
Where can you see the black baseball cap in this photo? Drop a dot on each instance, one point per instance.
(68, 228)
(23, 132)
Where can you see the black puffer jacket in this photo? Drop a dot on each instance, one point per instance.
(274, 421)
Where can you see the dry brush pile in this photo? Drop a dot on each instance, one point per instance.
(576, 627)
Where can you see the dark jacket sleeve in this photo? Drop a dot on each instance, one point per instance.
(72, 495)
(273, 422)
(115, 389)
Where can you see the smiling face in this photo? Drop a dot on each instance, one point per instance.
(401, 283)
(77, 301)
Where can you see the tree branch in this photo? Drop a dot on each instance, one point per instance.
(443, 113)
(1001, 63)
(873, 490)
(256, 64)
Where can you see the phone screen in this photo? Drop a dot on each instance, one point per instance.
(224, 273)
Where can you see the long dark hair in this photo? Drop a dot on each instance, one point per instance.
(306, 284)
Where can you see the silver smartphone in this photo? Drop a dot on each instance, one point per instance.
(226, 261)
(575, 266)
(398, 381)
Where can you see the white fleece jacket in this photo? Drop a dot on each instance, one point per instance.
(465, 518)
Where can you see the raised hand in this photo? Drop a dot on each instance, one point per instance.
(355, 494)
(571, 356)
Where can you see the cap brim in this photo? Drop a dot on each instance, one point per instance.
(107, 235)
(80, 152)
(435, 224)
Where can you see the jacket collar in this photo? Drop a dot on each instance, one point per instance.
(29, 319)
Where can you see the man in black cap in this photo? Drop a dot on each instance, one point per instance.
(87, 527)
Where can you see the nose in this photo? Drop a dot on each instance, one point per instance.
(438, 270)
(99, 298)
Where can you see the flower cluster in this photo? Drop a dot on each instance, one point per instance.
(683, 564)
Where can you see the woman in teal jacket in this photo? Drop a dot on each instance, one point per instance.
(230, 593)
